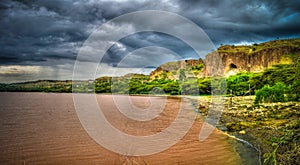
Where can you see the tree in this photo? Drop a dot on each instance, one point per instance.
(275, 93)
(182, 75)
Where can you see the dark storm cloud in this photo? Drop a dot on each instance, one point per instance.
(235, 21)
(33, 28)
(32, 34)
(148, 39)
(51, 32)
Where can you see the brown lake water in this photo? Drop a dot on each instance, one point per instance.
(43, 128)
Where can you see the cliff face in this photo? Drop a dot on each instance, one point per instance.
(256, 61)
(228, 60)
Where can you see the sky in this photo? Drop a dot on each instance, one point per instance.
(41, 39)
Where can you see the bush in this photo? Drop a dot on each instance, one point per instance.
(275, 93)
(294, 92)
(240, 82)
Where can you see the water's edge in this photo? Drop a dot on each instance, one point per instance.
(239, 148)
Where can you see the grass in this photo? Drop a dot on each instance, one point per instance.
(261, 46)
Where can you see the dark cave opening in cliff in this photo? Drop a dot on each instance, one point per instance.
(232, 67)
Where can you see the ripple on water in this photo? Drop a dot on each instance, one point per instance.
(43, 128)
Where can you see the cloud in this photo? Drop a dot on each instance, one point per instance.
(236, 21)
(140, 40)
(15, 69)
(148, 57)
(51, 33)
(19, 73)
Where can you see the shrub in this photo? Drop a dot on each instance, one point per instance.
(294, 91)
(275, 93)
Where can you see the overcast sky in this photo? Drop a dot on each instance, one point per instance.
(40, 39)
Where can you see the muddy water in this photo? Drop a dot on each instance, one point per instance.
(43, 128)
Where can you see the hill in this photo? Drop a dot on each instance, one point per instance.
(253, 58)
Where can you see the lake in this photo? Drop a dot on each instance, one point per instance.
(43, 128)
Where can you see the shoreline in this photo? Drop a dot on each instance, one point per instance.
(271, 128)
(202, 104)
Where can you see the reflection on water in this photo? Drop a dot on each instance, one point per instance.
(43, 128)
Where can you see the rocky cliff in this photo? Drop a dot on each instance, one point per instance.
(171, 70)
(230, 59)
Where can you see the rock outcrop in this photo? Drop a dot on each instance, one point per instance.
(172, 69)
(230, 59)
(256, 61)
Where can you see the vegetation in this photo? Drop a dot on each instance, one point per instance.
(281, 80)
(258, 47)
(243, 83)
(278, 83)
(39, 86)
(197, 68)
(269, 94)
(273, 128)
(269, 124)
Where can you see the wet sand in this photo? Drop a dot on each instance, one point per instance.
(43, 128)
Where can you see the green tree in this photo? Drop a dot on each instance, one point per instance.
(275, 93)
(182, 75)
